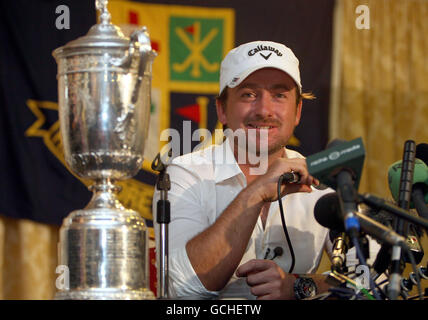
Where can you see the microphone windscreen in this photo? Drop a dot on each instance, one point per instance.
(327, 212)
(420, 177)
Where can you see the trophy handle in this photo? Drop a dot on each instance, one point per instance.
(140, 39)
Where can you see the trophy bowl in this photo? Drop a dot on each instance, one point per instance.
(104, 83)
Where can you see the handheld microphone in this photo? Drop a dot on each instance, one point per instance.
(290, 177)
(339, 166)
(294, 177)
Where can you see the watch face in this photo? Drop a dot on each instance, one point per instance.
(305, 288)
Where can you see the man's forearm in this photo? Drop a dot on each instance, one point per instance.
(216, 252)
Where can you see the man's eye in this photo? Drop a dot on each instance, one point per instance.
(248, 95)
(280, 95)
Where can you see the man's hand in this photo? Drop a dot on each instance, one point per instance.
(265, 186)
(267, 280)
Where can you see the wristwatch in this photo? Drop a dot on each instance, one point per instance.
(304, 287)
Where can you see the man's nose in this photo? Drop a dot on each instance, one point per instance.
(264, 105)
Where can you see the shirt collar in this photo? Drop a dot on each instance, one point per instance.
(225, 165)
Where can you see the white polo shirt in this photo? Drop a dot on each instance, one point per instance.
(203, 184)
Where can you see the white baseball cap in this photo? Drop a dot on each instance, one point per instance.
(240, 62)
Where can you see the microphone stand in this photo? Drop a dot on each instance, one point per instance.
(163, 217)
(348, 197)
(379, 203)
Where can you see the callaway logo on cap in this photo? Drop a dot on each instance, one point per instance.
(240, 62)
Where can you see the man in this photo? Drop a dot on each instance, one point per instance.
(226, 237)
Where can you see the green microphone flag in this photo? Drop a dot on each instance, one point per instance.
(326, 164)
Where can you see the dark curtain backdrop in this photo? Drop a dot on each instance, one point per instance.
(34, 184)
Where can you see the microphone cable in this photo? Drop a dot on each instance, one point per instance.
(284, 226)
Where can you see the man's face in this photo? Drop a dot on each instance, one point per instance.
(265, 100)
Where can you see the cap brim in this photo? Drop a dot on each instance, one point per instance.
(249, 71)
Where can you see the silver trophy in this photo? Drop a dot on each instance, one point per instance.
(104, 82)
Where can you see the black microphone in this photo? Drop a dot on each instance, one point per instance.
(294, 177)
(406, 179)
(347, 194)
(413, 233)
(339, 166)
(327, 214)
(290, 177)
(404, 197)
(379, 203)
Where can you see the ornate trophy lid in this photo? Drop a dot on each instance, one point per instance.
(101, 35)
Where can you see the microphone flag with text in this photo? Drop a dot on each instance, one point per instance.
(325, 165)
(340, 167)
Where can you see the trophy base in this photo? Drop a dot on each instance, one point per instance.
(105, 294)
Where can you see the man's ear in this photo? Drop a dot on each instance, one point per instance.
(221, 111)
(298, 112)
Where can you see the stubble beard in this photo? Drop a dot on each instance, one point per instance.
(258, 148)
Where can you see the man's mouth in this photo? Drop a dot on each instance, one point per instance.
(261, 126)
